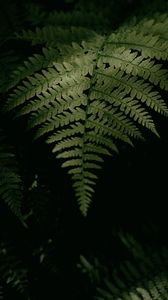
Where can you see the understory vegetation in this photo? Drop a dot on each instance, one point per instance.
(83, 150)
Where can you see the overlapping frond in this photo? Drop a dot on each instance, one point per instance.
(85, 95)
(156, 26)
(78, 18)
(135, 64)
(11, 187)
(150, 45)
(143, 276)
(52, 36)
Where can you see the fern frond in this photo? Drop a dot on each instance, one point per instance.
(119, 121)
(78, 18)
(33, 64)
(60, 73)
(8, 63)
(135, 64)
(84, 96)
(153, 289)
(143, 276)
(149, 45)
(128, 105)
(52, 36)
(11, 270)
(11, 186)
(156, 26)
(136, 87)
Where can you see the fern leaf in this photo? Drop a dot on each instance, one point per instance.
(78, 18)
(143, 277)
(156, 26)
(8, 62)
(33, 64)
(149, 45)
(134, 64)
(11, 269)
(136, 87)
(11, 187)
(85, 95)
(52, 36)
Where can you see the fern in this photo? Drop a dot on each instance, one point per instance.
(79, 18)
(11, 270)
(11, 186)
(51, 36)
(143, 276)
(8, 63)
(156, 288)
(85, 95)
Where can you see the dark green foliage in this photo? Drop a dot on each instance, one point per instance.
(8, 62)
(143, 276)
(11, 270)
(11, 186)
(89, 79)
(10, 20)
(86, 91)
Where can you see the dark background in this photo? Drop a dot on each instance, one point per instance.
(131, 192)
